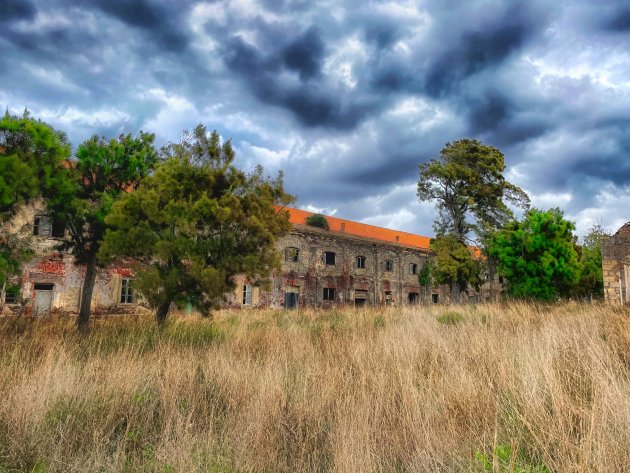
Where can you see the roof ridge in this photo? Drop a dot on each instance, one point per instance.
(360, 223)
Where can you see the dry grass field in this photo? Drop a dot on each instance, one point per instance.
(511, 387)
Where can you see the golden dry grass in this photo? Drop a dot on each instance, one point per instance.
(512, 387)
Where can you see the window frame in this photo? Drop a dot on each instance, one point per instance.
(291, 258)
(329, 294)
(413, 268)
(127, 295)
(13, 295)
(326, 259)
(361, 260)
(389, 266)
(247, 295)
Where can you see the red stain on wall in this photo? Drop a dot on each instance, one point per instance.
(52, 265)
(122, 272)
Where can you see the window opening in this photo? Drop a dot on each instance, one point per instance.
(413, 268)
(389, 265)
(329, 293)
(291, 254)
(126, 292)
(435, 298)
(329, 258)
(361, 262)
(247, 294)
(10, 297)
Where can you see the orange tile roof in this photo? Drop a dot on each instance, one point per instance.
(297, 216)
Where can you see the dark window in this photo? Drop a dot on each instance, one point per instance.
(291, 300)
(500, 279)
(43, 286)
(329, 258)
(414, 297)
(45, 227)
(126, 292)
(291, 254)
(329, 293)
(389, 265)
(247, 294)
(435, 298)
(58, 229)
(388, 298)
(413, 268)
(10, 297)
(361, 262)
(360, 297)
(41, 226)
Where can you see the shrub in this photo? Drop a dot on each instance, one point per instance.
(318, 220)
(450, 318)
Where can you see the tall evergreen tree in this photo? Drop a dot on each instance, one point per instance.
(103, 170)
(472, 195)
(469, 188)
(196, 223)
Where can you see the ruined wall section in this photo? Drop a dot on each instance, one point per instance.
(616, 266)
(371, 282)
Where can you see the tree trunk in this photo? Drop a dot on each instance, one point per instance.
(86, 294)
(161, 313)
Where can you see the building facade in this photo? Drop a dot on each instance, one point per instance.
(616, 266)
(348, 264)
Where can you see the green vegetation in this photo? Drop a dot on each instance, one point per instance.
(471, 196)
(196, 223)
(469, 189)
(103, 170)
(454, 264)
(538, 255)
(31, 157)
(317, 220)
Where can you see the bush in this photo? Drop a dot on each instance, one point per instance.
(318, 220)
(450, 318)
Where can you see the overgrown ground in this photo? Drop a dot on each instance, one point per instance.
(516, 387)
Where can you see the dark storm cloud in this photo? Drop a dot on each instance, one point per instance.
(155, 18)
(12, 10)
(304, 54)
(479, 49)
(311, 102)
(352, 95)
(619, 21)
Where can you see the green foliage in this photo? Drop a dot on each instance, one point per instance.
(426, 274)
(468, 185)
(450, 318)
(505, 459)
(591, 277)
(537, 255)
(454, 263)
(31, 160)
(196, 223)
(317, 220)
(102, 172)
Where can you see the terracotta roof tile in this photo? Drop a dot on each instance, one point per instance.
(297, 216)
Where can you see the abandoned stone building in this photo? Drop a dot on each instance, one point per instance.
(348, 264)
(616, 266)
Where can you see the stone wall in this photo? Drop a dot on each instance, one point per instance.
(616, 266)
(54, 278)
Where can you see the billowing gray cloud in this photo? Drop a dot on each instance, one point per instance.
(346, 97)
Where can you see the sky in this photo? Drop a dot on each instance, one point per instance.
(347, 97)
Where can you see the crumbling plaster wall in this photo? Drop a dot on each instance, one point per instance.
(616, 266)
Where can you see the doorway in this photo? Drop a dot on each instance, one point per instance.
(43, 298)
